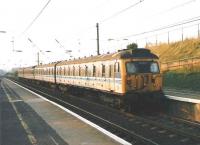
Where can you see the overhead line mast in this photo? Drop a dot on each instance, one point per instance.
(97, 25)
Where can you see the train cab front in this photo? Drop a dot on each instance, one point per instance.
(143, 76)
(143, 81)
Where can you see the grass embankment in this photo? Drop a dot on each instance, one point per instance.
(177, 50)
(184, 78)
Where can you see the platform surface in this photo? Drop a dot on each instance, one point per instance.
(26, 119)
(182, 95)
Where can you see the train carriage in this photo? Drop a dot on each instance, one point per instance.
(28, 73)
(97, 72)
(20, 72)
(46, 72)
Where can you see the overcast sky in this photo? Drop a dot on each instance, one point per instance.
(73, 24)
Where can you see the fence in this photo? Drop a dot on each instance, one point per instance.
(189, 63)
(179, 33)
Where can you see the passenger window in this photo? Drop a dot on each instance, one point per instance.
(110, 70)
(64, 73)
(79, 71)
(94, 71)
(60, 73)
(103, 70)
(68, 71)
(86, 70)
(73, 72)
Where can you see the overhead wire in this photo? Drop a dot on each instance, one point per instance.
(170, 9)
(157, 29)
(37, 16)
(175, 7)
(112, 16)
(165, 27)
(121, 11)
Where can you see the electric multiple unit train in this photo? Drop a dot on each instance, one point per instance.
(121, 78)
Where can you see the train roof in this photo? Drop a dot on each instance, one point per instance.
(25, 68)
(139, 53)
(47, 65)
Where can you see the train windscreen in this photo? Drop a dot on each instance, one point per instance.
(142, 67)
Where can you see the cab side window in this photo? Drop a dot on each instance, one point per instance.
(117, 70)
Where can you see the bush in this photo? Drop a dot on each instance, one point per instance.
(182, 80)
(132, 46)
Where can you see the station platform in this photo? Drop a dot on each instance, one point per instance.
(183, 93)
(183, 103)
(26, 119)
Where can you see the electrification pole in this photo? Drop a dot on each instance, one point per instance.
(198, 32)
(38, 58)
(38, 53)
(97, 25)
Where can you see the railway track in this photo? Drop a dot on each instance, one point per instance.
(189, 128)
(136, 129)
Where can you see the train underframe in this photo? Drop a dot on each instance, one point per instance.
(130, 102)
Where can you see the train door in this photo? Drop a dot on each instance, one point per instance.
(111, 77)
(103, 75)
(117, 77)
(108, 75)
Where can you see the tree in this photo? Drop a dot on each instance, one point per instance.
(132, 46)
